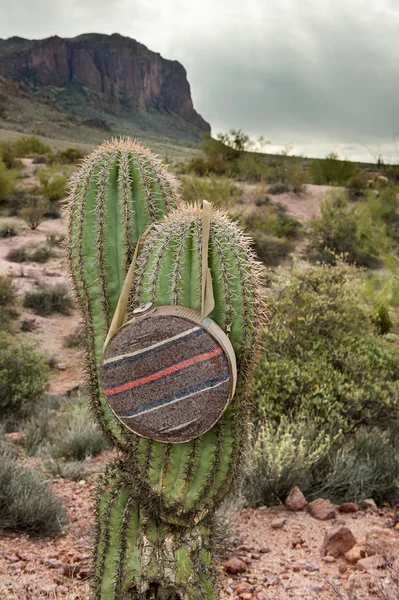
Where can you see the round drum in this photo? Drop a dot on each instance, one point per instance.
(168, 375)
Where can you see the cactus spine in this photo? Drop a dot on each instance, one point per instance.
(155, 504)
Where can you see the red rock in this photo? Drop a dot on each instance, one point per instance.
(278, 523)
(349, 507)
(322, 509)
(337, 541)
(371, 562)
(243, 587)
(384, 542)
(235, 565)
(246, 596)
(370, 503)
(264, 550)
(295, 499)
(110, 66)
(355, 554)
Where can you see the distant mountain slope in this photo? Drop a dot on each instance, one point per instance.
(101, 80)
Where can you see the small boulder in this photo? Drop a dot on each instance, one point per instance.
(322, 509)
(337, 541)
(295, 500)
(349, 507)
(235, 565)
(370, 504)
(278, 523)
(243, 587)
(384, 542)
(371, 562)
(355, 554)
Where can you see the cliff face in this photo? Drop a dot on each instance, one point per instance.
(124, 75)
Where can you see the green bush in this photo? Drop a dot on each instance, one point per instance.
(273, 220)
(75, 470)
(53, 181)
(33, 210)
(357, 186)
(70, 156)
(365, 466)
(220, 191)
(332, 171)
(78, 442)
(18, 255)
(7, 301)
(47, 299)
(7, 181)
(283, 456)
(26, 503)
(23, 376)
(55, 238)
(74, 339)
(27, 145)
(278, 188)
(271, 250)
(358, 232)
(41, 254)
(323, 358)
(9, 228)
(251, 167)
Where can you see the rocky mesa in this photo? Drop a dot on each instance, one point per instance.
(109, 73)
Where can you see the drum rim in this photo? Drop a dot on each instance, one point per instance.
(213, 329)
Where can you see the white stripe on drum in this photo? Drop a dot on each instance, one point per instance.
(157, 345)
(179, 426)
(211, 387)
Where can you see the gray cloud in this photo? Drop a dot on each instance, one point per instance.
(312, 73)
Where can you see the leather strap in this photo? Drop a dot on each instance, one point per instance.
(207, 299)
(121, 307)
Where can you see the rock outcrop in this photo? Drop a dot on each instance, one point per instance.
(114, 73)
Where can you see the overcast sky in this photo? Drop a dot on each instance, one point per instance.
(319, 75)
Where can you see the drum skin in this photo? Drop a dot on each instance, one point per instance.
(168, 375)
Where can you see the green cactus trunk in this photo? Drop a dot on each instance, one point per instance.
(154, 505)
(119, 190)
(140, 556)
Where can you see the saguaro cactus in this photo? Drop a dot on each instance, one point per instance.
(155, 504)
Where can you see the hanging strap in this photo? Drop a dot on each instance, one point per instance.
(120, 311)
(207, 299)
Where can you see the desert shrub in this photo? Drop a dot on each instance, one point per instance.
(282, 456)
(78, 442)
(26, 503)
(80, 437)
(33, 210)
(23, 376)
(7, 155)
(220, 191)
(27, 145)
(53, 210)
(17, 255)
(75, 470)
(323, 358)
(7, 301)
(342, 229)
(7, 181)
(331, 170)
(273, 220)
(74, 339)
(271, 250)
(365, 466)
(357, 186)
(70, 156)
(53, 181)
(251, 167)
(9, 228)
(47, 299)
(55, 238)
(41, 254)
(278, 188)
(202, 166)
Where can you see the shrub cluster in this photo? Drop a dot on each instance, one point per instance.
(47, 299)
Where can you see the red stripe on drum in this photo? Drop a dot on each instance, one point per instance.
(154, 376)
